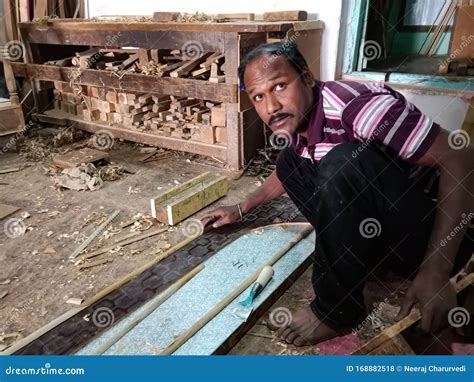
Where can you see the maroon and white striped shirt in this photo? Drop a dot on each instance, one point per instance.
(349, 111)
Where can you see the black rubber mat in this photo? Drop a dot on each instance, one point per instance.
(76, 331)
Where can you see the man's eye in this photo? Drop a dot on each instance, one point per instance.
(258, 98)
(280, 86)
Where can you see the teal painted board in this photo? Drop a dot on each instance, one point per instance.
(222, 274)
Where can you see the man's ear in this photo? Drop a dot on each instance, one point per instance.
(308, 77)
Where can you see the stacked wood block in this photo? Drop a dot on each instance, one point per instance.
(67, 99)
(172, 116)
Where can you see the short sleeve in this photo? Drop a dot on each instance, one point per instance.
(391, 120)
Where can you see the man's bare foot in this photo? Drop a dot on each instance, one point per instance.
(304, 328)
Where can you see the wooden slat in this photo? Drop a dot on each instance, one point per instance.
(184, 204)
(132, 82)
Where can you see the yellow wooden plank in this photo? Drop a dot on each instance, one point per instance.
(155, 202)
(193, 202)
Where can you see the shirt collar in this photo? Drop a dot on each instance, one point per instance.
(316, 120)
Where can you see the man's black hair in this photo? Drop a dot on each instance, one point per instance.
(287, 49)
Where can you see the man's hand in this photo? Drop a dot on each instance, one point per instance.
(435, 297)
(222, 216)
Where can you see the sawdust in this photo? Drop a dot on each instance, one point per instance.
(198, 17)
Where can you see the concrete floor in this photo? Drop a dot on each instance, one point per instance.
(40, 281)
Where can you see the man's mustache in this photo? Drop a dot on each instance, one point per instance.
(276, 117)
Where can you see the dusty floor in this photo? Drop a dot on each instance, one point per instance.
(37, 276)
(36, 270)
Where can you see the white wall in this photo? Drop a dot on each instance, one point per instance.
(329, 13)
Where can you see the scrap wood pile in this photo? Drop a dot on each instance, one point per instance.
(191, 62)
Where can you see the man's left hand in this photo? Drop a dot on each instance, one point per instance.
(434, 295)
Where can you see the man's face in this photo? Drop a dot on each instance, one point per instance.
(281, 97)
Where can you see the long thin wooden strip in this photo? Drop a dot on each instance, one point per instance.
(151, 306)
(94, 234)
(406, 322)
(178, 342)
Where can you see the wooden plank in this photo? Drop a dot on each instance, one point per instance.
(196, 199)
(285, 16)
(179, 189)
(75, 158)
(405, 322)
(139, 83)
(62, 27)
(40, 8)
(146, 39)
(396, 345)
(188, 198)
(7, 210)
(165, 16)
(460, 42)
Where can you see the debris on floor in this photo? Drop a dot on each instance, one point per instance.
(83, 177)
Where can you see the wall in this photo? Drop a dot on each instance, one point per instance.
(328, 12)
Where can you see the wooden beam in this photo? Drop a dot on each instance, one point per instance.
(131, 81)
(186, 199)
